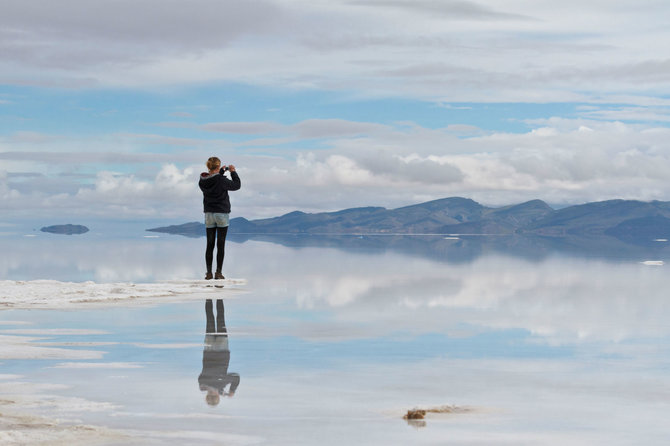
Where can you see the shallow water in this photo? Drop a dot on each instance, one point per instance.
(334, 342)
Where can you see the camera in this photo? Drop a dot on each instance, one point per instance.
(224, 168)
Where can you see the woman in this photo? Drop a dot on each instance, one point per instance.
(215, 186)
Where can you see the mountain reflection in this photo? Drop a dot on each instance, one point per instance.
(214, 377)
(465, 248)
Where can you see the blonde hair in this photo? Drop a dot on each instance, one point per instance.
(213, 163)
(212, 399)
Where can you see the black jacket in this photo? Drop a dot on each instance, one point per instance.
(215, 189)
(215, 372)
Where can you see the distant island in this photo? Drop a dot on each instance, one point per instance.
(623, 219)
(68, 229)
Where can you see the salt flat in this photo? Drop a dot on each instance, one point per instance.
(59, 294)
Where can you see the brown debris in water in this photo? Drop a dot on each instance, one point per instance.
(415, 414)
(419, 414)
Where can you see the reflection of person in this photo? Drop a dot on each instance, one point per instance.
(216, 357)
(215, 186)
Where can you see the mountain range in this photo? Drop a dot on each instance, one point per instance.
(624, 219)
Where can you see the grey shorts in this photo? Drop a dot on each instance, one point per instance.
(216, 220)
(216, 342)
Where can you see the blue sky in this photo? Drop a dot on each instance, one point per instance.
(110, 111)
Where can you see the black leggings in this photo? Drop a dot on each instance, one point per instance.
(220, 318)
(212, 235)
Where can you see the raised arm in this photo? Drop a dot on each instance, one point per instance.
(234, 183)
(234, 380)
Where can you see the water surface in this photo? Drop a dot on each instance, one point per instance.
(335, 340)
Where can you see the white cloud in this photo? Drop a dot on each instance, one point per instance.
(129, 195)
(171, 191)
(311, 166)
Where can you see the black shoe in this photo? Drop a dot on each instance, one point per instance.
(208, 276)
(218, 275)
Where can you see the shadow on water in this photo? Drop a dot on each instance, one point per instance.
(214, 377)
(466, 248)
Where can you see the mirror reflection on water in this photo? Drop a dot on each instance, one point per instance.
(214, 378)
(504, 340)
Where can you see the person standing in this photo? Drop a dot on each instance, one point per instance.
(215, 186)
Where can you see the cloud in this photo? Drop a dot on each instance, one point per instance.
(640, 114)
(242, 127)
(490, 52)
(328, 128)
(413, 168)
(170, 192)
(548, 162)
(318, 165)
(455, 9)
(310, 128)
(6, 193)
(40, 30)
(465, 130)
(182, 115)
(69, 158)
(50, 152)
(170, 187)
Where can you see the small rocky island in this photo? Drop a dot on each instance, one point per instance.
(68, 229)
